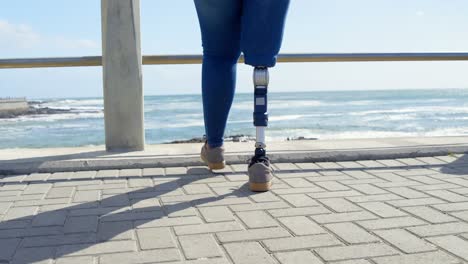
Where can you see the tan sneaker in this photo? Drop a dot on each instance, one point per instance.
(260, 176)
(213, 157)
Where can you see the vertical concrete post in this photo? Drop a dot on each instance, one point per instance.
(122, 75)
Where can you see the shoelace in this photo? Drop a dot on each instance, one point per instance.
(260, 159)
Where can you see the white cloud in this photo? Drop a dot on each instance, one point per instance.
(15, 37)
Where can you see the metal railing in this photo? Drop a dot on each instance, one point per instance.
(197, 59)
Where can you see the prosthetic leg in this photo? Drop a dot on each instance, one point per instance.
(259, 168)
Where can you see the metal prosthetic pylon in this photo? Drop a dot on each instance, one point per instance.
(260, 115)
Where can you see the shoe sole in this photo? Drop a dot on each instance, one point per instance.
(260, 187)
(216, 166)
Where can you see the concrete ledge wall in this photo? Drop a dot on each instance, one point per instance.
(13, 105)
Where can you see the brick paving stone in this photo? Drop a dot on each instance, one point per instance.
(374, 198)
(256, 219)
(452, 244)
(405, 241)
(196, 188)
(59, 239)
(301, 225)
(371, 163)
(54, 218)
(97, 249)
(426, 180)
(416, 202)
(76, 260)
(78, 224)
(328, 165)
(207, 228)
(248, 253)
(4, 207)
(147, 256)
(64, 192)
(332, 186)
(253, 234)
(308, 166)
(458, 181)
(350, 164)
(20, 213)
(296, 174)
(328, 178)
(216, 214)
(126, 215)
(298, 182)
(430, 215)
(462, 215)
(34, 255)
(440, 229)
(86, 196)
(35, 188)
(441, 186)
(411, 162)
(199, 246)
(257, 206)
(450, 207)
(299, 211)
(39, 202)
(340, 205)
(462, 191)
(395, 222)
(320, 195)
(448, 196)
(298, 257)
(224, 201)
(407, 192)
(355, 251)
(437, 257)
(354, 261)
(359, 174)
(343, 217)
(130, 173)
(391, 163)
(351, 233)
(368, 189)
(115, 231)
(285, 166)
(264, 197)
(153, 172)
(10, 193)
(37, 177)
(381, 209)
(301, 242)
(306, 190)
(156, 238)
(362, 181)
(299, 200)
(8, 247)
(163, 222)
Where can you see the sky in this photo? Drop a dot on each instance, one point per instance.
(57, 28)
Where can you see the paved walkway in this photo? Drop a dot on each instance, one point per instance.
(411, 211)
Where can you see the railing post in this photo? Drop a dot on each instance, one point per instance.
(122, 75)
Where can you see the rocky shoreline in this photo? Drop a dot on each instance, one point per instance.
(34, 109)
(233, 138)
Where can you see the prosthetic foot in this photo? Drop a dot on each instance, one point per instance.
(260, 175)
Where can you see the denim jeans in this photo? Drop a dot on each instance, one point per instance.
(229, 27)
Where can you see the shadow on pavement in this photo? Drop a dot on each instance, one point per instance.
(83, 223)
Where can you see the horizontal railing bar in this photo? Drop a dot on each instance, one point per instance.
(197, 59)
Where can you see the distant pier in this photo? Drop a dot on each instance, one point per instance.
(13, 105)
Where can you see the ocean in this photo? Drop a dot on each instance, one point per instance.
(320, 115)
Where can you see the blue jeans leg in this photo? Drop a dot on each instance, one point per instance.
(262, 30)
(220, 28)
